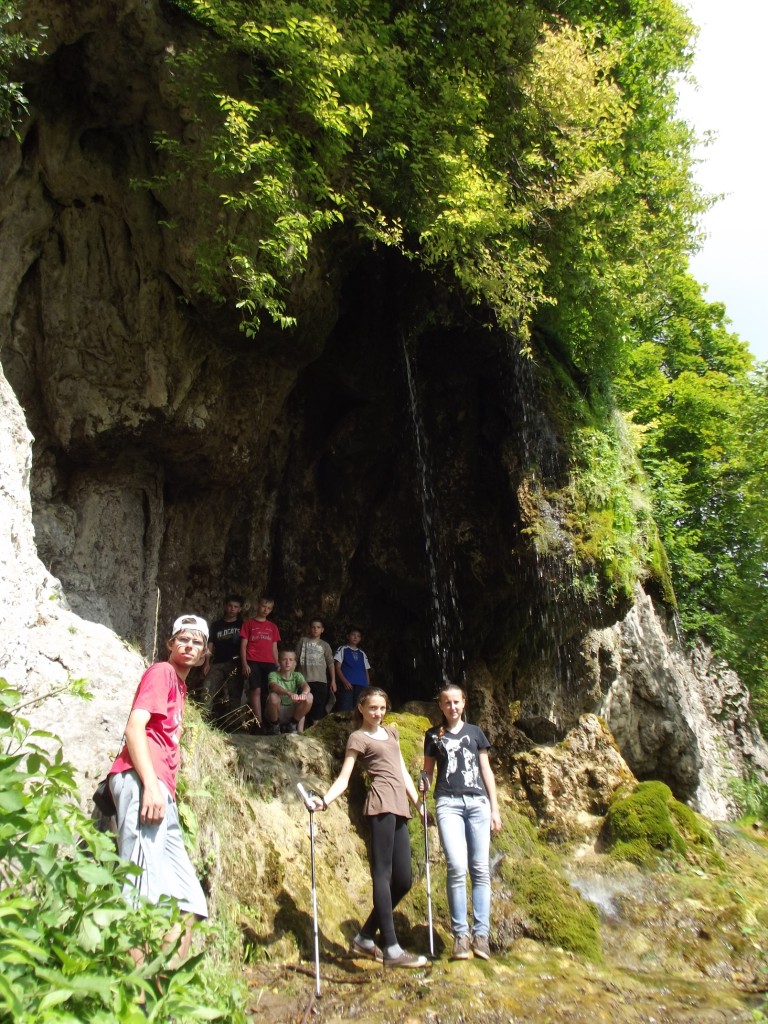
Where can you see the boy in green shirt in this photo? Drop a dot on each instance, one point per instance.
(289, 696)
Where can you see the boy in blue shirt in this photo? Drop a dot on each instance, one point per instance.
(351, 672)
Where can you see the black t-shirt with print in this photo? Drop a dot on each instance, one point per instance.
(458, 760)
(225, 637)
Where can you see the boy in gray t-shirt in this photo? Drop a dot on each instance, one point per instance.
(315, 662)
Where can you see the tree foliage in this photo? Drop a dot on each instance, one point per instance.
(525, 153)
(14, 47)
(703, 406)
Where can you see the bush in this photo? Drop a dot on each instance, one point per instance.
(752, 797)
(66, 930)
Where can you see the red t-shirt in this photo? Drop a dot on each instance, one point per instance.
(261, 635)
(162, 693)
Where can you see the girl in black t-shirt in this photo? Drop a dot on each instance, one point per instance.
(467, 811)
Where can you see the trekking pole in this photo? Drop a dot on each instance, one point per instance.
(426, 868)
(305, 796)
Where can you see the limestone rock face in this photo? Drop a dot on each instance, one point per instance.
(44, 645)
(570, 784)
(677, 716)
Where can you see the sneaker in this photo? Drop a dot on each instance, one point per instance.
(480, 947)
(405, 960)
(272, 728)
(369, 952)
(460, 948)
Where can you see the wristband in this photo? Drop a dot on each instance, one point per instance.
(325, 805)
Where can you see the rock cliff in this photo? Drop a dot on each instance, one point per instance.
(382, 463)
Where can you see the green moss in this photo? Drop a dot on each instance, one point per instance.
(273, 873)
(553, 911)
(648, 822)
(412, 729)
(518, 836)
(659, 569)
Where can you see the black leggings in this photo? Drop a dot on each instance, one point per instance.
(391, 873)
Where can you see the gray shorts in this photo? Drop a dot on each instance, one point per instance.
(157, 849)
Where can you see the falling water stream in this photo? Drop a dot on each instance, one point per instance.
(446, 621)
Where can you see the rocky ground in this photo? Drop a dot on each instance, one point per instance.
(680, 942)
(525, 987)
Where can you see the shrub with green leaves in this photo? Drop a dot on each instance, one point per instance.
(14, 47)
(66, 929)
(751, 795)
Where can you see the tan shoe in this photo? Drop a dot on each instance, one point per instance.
(405, 960)
(460, 948)
(369, 952)
(480, 947)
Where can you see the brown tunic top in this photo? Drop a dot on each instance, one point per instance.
(381, 759)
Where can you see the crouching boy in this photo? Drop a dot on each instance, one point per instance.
(289, 697)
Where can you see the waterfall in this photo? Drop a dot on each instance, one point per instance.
(446, 622)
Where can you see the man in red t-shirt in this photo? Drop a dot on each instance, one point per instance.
(143, 779)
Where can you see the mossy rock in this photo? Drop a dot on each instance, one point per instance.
(411, 729)
(518, 837)
(540, 904)
(649, 822)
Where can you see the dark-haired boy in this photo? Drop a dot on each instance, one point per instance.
(222, 682)
(351, 671)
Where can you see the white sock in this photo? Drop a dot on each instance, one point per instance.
(363, 941)
(393, 952)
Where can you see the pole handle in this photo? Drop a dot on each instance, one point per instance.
(306, 797)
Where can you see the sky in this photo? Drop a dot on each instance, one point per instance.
(730, 100)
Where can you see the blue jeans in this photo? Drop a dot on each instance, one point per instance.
(464, 823)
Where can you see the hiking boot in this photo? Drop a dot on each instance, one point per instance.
(480, 947)
(460, 948)
(272, 729)
(405, 960)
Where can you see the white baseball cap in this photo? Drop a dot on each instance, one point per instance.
(190, 622)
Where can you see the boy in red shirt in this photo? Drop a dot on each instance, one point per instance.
(258, 653)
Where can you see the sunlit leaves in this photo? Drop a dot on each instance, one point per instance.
(514, 152)
(14, 46)
(705, 407)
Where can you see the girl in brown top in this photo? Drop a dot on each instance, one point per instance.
(387, 810)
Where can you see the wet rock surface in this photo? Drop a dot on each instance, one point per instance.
(570, 785)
